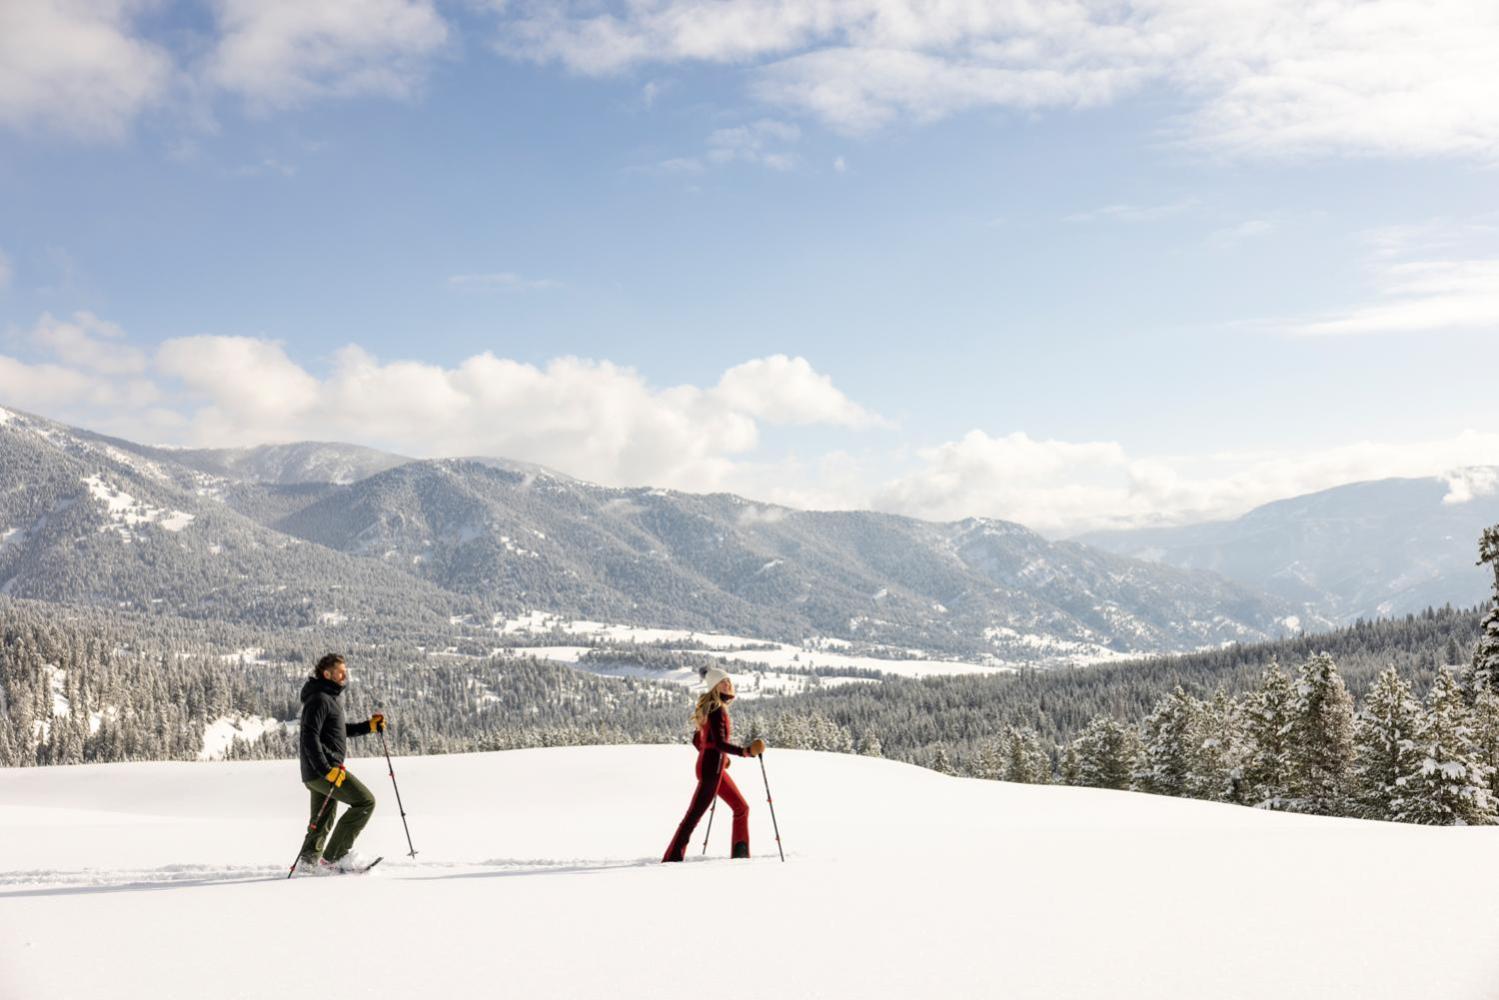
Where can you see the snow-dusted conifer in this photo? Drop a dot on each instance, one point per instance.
(1216, 770)
(1027, 761)
(992, 757)
(1385, 748)
(828, 736)
(940, 763)
(1103, 754)
(1449, 786)
(1164, 765)
(1485, 722)
(789, 732)
(1322, 738)
(869, 746)
(1483, 672)
(1067, 764)
(1267, 732)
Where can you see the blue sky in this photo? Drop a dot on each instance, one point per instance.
(1063, 265)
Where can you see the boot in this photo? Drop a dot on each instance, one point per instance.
(741, 850)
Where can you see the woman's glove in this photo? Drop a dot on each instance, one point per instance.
(377, 723)
(756, 748)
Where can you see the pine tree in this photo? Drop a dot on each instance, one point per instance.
(1027, 761)
(1103, 755)
(1216, 770)
(1164, 765)
(1069, 764)
(870, 746)
(1321, 738)
(992, 756)
(1485, 721)
(1449, 785)
(1483, 672)
(940, 762)
(1267, 731)
(1385, 748)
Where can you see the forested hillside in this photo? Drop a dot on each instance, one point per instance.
(388, 545)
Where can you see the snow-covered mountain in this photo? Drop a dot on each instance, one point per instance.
(91, 520)
(537, 877)
(1364, 550)
(283, 464)
(101, 521)
(719, 561)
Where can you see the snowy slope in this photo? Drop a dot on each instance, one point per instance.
(537, 878)
(1365, 550)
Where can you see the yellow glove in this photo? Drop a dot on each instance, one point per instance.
(756, 748)
(336, 776)
(377, 723)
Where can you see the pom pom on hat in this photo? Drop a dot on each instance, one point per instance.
(711, 677)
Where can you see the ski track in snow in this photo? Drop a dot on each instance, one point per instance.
(26, 882)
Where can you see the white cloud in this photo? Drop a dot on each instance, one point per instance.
(1464, 485)
(1249, 229)
(252, 390)
(1420, 296)
(761, 142)
(44, 386)
(89, 343)
(1255, 78)
(861, 90)
(1063, 488)
(283, 53)
(682, 165)
(753, 516)
(589, 418)
(77, 66)
(1133, 213)
(504, 281)
(652, 91)
(783, 390)
(266, 167)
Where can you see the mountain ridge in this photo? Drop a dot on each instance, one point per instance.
(490, 537)
(1360, 550)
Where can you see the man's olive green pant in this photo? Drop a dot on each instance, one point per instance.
(351, 793)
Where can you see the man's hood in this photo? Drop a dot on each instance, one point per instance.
(317, 684)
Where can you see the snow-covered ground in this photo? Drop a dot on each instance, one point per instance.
(751, 683)
(815, 653)
(219, 734)
(537, 878)
(126, 512)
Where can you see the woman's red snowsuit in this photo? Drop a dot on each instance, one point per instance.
(712, 743)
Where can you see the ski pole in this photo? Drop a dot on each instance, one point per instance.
(411, 850)
(714, 808)
(312, 827)
(771, 803)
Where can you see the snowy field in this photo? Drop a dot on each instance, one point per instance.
(537, 878)
(822, 652)
(751, 683)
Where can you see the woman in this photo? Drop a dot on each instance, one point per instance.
(712, 742)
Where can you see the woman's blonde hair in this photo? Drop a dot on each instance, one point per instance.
(710, 702)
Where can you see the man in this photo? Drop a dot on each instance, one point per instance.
(323, 742)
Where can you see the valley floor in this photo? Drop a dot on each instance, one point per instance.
(537, 877)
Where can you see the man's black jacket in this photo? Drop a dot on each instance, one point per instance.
(324, 738)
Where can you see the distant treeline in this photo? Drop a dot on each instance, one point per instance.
(84, 685)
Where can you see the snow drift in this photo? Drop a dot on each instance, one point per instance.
(537, 877)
